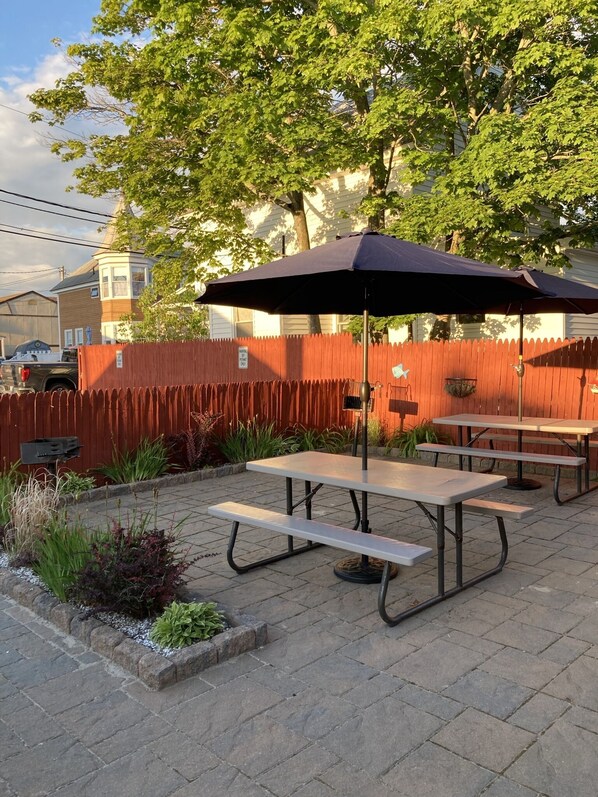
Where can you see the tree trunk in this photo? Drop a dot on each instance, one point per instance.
(302, 232)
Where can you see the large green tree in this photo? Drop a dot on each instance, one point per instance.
(487, 109)
(218, 117)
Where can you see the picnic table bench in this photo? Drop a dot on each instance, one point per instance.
(557, 460)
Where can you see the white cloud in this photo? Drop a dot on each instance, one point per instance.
(29, 168)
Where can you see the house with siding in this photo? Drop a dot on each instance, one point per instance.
(26, 316)
(330, 211)
(93, 298)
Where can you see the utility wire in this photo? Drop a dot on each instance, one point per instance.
(56, 204)
(51, 212)
(45, 232)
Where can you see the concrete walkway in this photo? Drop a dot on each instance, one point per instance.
(493, 693)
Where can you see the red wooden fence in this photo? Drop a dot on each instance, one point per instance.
(283, 382)
(119, 419)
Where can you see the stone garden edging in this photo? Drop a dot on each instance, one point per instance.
(154, 669)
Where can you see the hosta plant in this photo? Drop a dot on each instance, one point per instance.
(182, 624)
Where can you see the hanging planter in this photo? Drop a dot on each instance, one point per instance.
(459, 386)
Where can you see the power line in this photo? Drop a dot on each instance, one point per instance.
(63, 241)
(51, 212)
(56, 204)
(44, 232)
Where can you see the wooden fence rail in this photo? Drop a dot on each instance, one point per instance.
(293, 380)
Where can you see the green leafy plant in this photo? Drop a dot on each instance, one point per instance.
(71, 483)
(254, 440)
(182, 624)
(406, 440)
(333, 439)
(9, 481)
(134, 569)
(61, 554)
(31, 508)
(375, 431)
(148, 461)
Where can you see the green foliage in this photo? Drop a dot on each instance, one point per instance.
(228, 105)
(406, 440)
(71, 483)
(375, 431)
(9, 481)
(378, 326)
(168, 312)
(31, 507)
(133, 569)
(61, 554)
(182, 624)
(332, 439)
(254, 440)
(148, 461)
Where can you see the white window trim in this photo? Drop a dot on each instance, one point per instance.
(68, 337)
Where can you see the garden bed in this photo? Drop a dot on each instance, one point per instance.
(155, 670)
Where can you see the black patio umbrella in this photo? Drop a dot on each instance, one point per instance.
(370, 273)
(555, 295)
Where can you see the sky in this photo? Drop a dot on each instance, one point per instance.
(28, 61)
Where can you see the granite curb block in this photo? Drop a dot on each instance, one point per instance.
(132, 488)
(154, 669)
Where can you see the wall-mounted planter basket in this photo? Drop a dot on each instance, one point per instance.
(459, 386)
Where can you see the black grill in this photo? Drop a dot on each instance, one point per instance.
(49, 449)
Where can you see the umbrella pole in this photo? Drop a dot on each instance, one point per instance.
(519, 483)
(363, 569)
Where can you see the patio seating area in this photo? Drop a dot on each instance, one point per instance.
(494, 692)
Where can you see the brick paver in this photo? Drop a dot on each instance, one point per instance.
(493, 693)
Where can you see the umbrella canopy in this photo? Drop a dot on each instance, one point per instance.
(555, 295)
(374, 272)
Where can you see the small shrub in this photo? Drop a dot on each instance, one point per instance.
(9, 481)
(406, 440)
(375, 431)
(61, 554)
(254, 440)
(31, 508)
(182, 624)
(148, 461)
(133, 570)
(196, 443)
(71, 483)
(332, 439)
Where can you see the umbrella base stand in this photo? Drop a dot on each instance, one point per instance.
(362, 569)
(515, 483)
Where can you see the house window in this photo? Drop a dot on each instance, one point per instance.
(120, 281)
(471, 318)
(105, 283)
(138, 280)
(108, 333)
(94, 292)
(79, 336)
(68, 337)
(243, 323)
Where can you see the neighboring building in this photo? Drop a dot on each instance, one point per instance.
(331, 211)
(25, 316)
(92, 300)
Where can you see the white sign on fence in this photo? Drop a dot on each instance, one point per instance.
(243, 357)
(119, 358)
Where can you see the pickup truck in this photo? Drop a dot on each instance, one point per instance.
(33, 373)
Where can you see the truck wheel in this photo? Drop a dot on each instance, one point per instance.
(58, 387)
